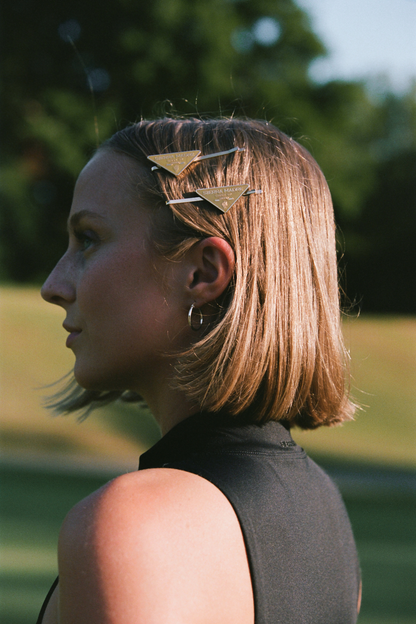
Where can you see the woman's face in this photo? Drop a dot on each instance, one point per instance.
(119, 316)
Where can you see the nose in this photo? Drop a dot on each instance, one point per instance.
(59, 287)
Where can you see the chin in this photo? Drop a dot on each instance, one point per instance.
(93, 382)
(99, 381)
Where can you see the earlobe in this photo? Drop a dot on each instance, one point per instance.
(213, 262)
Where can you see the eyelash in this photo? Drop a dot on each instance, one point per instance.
(85, 239)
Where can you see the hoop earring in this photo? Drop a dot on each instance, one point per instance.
(200, 320)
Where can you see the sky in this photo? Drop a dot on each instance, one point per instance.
(365, 38)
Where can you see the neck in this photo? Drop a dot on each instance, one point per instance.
(169, 407)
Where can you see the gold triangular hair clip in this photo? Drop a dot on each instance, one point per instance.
(176, 162)
(222, 197)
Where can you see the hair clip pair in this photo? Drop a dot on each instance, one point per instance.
(222, 197)
(176, 162)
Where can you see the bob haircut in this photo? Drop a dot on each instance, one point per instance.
(275, 349)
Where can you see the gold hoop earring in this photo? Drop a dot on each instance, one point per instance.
(200, 320)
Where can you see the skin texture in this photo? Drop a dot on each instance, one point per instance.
(157, 545)
(126, 308)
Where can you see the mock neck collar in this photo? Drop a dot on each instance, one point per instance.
(206, 431)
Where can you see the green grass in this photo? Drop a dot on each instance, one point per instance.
(383, 368)
(384, 527)
(34, 504)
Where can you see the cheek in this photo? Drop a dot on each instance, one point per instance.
(121, 291)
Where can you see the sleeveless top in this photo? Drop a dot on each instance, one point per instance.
(300, 548)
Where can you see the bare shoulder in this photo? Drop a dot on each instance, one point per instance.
(152, 546)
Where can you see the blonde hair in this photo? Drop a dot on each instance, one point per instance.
(275, 350)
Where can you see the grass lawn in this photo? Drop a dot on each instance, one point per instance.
(39, 480)
(383, 368)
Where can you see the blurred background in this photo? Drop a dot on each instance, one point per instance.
(337, 75)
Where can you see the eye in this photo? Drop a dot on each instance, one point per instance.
(86, 239)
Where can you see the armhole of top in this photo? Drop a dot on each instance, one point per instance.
(245, 524)
(46, 601)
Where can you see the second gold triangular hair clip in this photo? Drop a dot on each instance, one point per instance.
(222, 197)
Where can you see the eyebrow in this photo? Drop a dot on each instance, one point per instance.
(82, 214)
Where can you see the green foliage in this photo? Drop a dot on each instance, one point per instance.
(76, 73)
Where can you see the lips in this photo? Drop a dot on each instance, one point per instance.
(74, 332)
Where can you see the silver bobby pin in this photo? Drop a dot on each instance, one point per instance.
(230, 151)
(222, 197)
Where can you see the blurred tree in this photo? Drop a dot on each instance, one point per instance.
(381, 259)
(73, 72)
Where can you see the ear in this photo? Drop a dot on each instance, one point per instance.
(212, 265)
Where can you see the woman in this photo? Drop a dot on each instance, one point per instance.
(201, 276)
